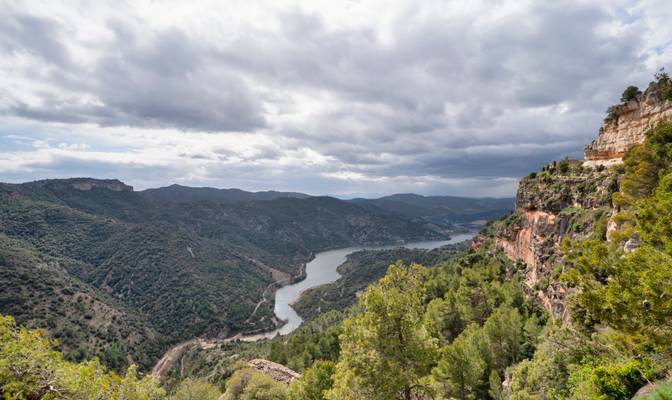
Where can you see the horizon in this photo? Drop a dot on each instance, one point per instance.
(373, 196)
(350, 99)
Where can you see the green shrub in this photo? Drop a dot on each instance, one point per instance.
(620, 381)
(630, 93)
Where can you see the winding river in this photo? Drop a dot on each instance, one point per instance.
(319, 271)
(322, 270)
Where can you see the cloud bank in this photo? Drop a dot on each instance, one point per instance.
(343, 98)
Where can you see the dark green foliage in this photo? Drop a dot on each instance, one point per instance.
(40, 293)
(663, 80)
(630, 93)
(316, 340)
(441, 210)
(314, 382)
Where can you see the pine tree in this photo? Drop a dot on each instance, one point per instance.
(385, 349)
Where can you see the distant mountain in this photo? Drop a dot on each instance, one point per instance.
(169, 265)
(442, 210)
(184, 194)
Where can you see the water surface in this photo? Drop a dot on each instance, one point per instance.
(322, 270)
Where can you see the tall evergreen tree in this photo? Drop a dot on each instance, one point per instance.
(385, 349)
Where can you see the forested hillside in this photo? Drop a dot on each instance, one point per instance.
(442, 210)
(112, 272)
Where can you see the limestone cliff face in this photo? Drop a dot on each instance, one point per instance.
(276, 371)
(573, 199)
(550, 206)
(626, 125)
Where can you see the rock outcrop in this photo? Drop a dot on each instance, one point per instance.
(626, 125)
(573, 199)
(276, 371)
(551, 205)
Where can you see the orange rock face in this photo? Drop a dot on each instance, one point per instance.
(627, 125)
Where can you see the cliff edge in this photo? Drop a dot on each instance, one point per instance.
(626, 124)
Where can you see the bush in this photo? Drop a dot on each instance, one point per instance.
(630, 93)
(563, 166)
(663, 80)
(621, 381)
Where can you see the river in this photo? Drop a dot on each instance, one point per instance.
(319, 271)
(322, 270)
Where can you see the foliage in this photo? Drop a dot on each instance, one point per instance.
(663, 80)
(36, 290)
(192, 389)
(385, 350)
(247, 384)
(314, 382)
(30, 368)
(619, 382)
(630, 93)
(315, 340)
(461, 366)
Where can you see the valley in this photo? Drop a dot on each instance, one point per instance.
(324, 200)
(178, 262)
(321, 270)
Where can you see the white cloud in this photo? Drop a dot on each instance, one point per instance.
(316, 96)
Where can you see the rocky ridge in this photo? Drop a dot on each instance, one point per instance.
(626, 125)
(551, 205)
(276, 371)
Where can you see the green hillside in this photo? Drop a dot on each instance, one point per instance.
(179, 270)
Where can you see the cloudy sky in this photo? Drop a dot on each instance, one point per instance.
(325, 97)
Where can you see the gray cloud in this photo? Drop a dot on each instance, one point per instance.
(434, 95)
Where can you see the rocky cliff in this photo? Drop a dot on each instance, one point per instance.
(565, 199)
(572, 199)
(626, 125)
